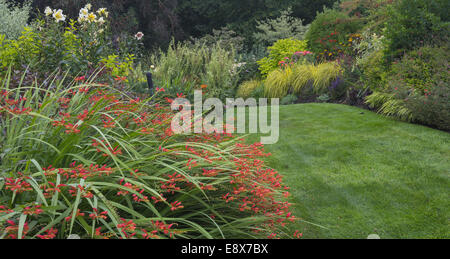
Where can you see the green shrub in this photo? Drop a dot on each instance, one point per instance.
(278, 52)
(414, 89)
(370, 59)
(258, 92)
(23, 51)
(89, 160)
(13, 19)
(55, 42)
(422, 68)
(250, 69)
(330, 32)
(288, 99)
(388, 104)
(283, 27)
(225, 38)
(324, 98)
(412, 23)
(185, 67)
(221, 73)
(358, 7)
(118, 68)
(433, 107)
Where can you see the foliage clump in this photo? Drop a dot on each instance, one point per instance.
(278, 52)
(285, 26)
(88, 159)
(13, 18)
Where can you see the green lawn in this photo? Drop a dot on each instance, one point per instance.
(356, 173)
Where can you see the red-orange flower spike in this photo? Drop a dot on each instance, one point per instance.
(35, 210)
(17, 185)
(176, 205)
(120, 78)
(50, 234)
(80, 79)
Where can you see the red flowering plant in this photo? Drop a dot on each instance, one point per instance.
(297, 58)
(91, 160)
(334, 46)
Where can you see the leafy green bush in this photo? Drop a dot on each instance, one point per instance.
(55, 42)
(89, 160)
(362, 8)
(118, 68)
(283, 27)
(185, 67)
(412, 23)
(221, 73)
(258, 92)
(324, 98)
(23, 51)
(13, 19)
(433, 107)
(330, 32)
(370, 59)
(225, 38)
(415, 86)
(250, 69)
(289, 99)
(422, 68)
(278, 52)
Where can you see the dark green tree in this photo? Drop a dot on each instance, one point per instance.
(162, 20)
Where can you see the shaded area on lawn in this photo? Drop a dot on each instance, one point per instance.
(357, 173)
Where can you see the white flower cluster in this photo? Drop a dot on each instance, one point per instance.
(87, 16)
(57, 14)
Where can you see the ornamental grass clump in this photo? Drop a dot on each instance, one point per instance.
(298, 77)
(247, 88)
(84, 158)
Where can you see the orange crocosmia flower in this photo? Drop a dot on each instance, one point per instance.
(80, 78)
(120, 78)
(203, 86)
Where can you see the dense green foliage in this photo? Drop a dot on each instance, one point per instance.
(417, 88)
(281, 51)
(163, 20)
(79, 46)
(413, 23)
(13, 18)
(186, 67)
(283, 27)
(91, 160)
(329, 30)
(81, 133)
